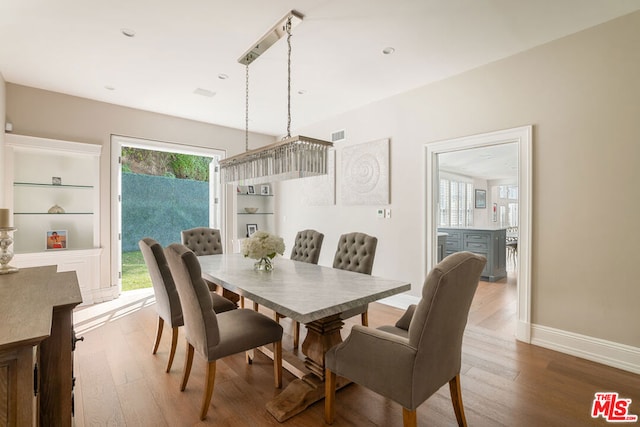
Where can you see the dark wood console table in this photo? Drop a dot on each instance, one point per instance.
(36, 329)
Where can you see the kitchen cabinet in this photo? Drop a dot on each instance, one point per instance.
(490, 243)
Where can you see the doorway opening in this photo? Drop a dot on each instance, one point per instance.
(471, 207)
(158, 190)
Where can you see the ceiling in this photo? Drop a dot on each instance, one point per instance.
(181, 48)
(494, 162)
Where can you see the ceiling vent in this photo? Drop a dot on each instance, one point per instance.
(337, 136)
(204, 92)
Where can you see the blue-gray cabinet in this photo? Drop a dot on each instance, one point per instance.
(491, 243)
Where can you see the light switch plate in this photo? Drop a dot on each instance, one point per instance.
(387, 213)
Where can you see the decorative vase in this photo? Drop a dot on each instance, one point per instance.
(263, 264)
(6, 254)
(55, 209)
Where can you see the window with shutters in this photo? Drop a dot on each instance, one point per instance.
(508, 195)
(456, 203)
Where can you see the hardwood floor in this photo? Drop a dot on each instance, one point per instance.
(504, 382)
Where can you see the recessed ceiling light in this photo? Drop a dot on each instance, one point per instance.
(128, 32)
(108, 87)
(388, 50)
(302, 92)
(223, 76)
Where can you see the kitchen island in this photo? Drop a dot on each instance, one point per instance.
(488, 242)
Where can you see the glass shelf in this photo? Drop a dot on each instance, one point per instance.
(259, 195)
(35, 184)
(55, 214)
(257, 213)
(53, 251)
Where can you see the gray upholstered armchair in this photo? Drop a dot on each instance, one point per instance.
(211, 335)
(167, 301)
(410, 361)
(306, 248)
(356, 252)
(207, 241)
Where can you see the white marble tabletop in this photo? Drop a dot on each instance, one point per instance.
(304, 292)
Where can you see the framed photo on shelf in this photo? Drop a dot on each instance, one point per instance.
(251, 189)
(56, 180)
(56, 239)
(251, 228)
(481, 199)
(264, 190)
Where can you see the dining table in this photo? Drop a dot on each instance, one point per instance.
(311, 294)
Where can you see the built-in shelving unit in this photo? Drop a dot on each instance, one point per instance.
(260, 198)
(44, 173)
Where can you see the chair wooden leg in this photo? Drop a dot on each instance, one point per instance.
(208, 389)
(188, 361)
(329, 396)
(365, 318)
(241, 302)
(456, 399)
(296, 334)
(174, 344)
(277, 363)
(158, 334)
(248, 356)
(409, 418)
(296, 329)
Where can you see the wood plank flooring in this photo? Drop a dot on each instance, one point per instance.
(504, 382)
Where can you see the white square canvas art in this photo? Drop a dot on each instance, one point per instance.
(365, 173)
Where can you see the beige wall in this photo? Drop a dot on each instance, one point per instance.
(53, 115)
(2, 122)
(581, 94)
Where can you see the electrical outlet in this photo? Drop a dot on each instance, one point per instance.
(380, 213)
(387, 213)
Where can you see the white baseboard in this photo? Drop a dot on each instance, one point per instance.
(400, 301)
(94, 296)
(523, 331)
(608, 353)
(598, 350)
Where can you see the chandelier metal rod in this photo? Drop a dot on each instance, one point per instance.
(270, 38)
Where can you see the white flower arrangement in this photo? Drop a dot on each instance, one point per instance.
(262, 245)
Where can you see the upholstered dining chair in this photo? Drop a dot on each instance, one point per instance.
(208, 241)
(167, 301)
(202, 240)
(212, 335)
(306, 248)
(512, 246)
(356, 252)
(410, 361)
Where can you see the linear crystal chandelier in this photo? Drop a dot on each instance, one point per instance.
(290, 158)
